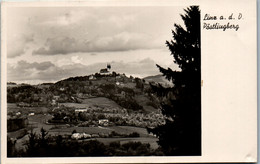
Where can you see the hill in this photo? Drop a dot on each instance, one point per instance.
(133, 94)
(157, 79)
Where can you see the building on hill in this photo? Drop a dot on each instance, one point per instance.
(105, 71)
(108, 66)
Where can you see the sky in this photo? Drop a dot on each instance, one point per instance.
(47, 44)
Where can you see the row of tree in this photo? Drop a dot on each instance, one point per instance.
(41, 145)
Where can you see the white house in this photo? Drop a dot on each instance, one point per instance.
(104, 72)
(91, 77)
(80, 136)
(62, 89)
(103, 122)
(81, 110)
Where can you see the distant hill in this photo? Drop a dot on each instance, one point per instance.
(158, 79)
(130, 93)
(11, 83)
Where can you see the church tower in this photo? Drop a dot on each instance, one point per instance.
(108, 66)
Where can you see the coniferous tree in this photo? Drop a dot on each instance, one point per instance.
(181, 103)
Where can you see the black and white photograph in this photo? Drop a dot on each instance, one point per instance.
(103, 81)
(124, 80)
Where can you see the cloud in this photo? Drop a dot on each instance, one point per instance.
(15, 51)
(76, 59)
(81, 40)
(43, 71)
(17, 45)
(59, 45)
(68, 18)
(120, 21)
(38, 66)
(124, 41)
(25, 70)
(69, 30)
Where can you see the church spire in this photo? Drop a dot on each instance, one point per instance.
(108, 66)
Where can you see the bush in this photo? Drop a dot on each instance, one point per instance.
(101, 116)
(152, 104)
(134, 134)
(131, 145)
(114, 145)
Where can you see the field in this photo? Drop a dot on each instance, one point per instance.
(144, 136)
(54, 130)
(142, 100)
(96, 130)
(12, 107)
(41, 116)
(97, 101)
(151, 141)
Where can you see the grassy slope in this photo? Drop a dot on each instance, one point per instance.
(97, 101)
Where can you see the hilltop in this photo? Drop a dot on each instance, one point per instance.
(133, 94)
(157, 79)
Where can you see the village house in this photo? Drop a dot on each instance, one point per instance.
(103, 122)
(31, 114)
(62, 89)
(81, 110)
(18, 113)
(56, 97)
(80, 136)
(91, 77)
(53, 102)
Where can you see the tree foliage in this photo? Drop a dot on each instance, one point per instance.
(60, 146)
(181, 104)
